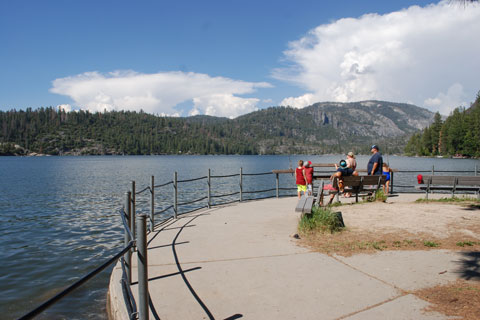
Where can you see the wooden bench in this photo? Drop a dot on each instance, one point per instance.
(358, 184)
(459, 184)
(305, 203)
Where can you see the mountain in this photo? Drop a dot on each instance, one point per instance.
(327, 127)
(331, 127)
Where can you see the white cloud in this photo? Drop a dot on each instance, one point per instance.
(158, 93)
(446, 102)
(409, 55)
(65, 107)
(225, 105)
(299, 102)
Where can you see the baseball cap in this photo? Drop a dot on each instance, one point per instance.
(374, 147)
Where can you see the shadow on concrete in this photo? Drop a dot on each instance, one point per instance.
(469, 265)
(168, 245)
(472, 207)
(169, 275)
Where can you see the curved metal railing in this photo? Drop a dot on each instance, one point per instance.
(170, 211)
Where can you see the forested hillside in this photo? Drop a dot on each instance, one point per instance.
(320, 128)
(459, 134)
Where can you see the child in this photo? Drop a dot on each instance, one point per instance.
(300, 179)
(309, 177)
(386, 171)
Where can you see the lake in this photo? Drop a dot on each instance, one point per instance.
(59, 220)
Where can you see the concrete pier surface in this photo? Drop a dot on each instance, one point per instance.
(241, 262)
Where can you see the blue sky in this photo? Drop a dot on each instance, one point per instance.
(227, 58)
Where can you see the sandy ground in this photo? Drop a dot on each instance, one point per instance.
(402, 214)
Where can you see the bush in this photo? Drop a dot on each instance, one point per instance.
(320, 220)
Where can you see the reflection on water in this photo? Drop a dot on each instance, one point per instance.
(58, 217)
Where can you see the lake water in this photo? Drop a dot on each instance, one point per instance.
(59, 220)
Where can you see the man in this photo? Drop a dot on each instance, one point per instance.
(375, 163)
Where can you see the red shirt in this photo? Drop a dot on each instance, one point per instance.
(309, 174)
(300, 178)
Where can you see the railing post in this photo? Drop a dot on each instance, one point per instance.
(142, 267)
(175, 195)
(209, 188)
(152, 204)
(475, 170)
(391, 182)
(128, 254)
(132, 219)
(241, 184)
(278, 185)
(433, 170)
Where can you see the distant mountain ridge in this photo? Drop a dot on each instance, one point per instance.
(326, 127)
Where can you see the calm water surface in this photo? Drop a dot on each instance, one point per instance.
(59, 221)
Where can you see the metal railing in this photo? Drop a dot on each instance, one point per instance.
(135, 227)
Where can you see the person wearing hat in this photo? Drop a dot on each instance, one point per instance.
(374, 166)
(342, 170)
(309, 176)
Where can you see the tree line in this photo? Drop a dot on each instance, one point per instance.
(458, 134)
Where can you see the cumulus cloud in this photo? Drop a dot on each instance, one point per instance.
(64, 107)
(425, 55)
(444, 102)
(159, 93)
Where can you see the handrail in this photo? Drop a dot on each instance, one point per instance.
(130, 242)
(125, 224)
(163, 185)
(190, 202)
(257, 174)
(225, 195)
(226, 176)
(194, 179)
(75, 285)
(166, 209)
(143, 190)
(127, 292)
(259, 191)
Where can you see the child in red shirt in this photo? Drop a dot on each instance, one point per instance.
(309, 177)
(300, 179)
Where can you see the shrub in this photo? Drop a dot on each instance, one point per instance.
(321, 219)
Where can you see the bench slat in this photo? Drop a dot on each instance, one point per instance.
(301, 204)
(308, 205)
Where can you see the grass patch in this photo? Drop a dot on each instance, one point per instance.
(454, 199)
(467, 243)
(378, 196)
(431, 244)
(320, 220)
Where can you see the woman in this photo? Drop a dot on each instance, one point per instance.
(352, 164)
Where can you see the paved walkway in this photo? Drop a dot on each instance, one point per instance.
(240, 262)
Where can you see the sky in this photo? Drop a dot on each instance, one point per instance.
(230, 57)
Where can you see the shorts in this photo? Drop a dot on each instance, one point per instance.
(309, 188)
(301, 188)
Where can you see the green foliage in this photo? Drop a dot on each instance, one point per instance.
(320, 220)
(430, 244)
(459, 134)
(318, 129)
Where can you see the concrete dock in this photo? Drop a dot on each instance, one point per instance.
(241, 261)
